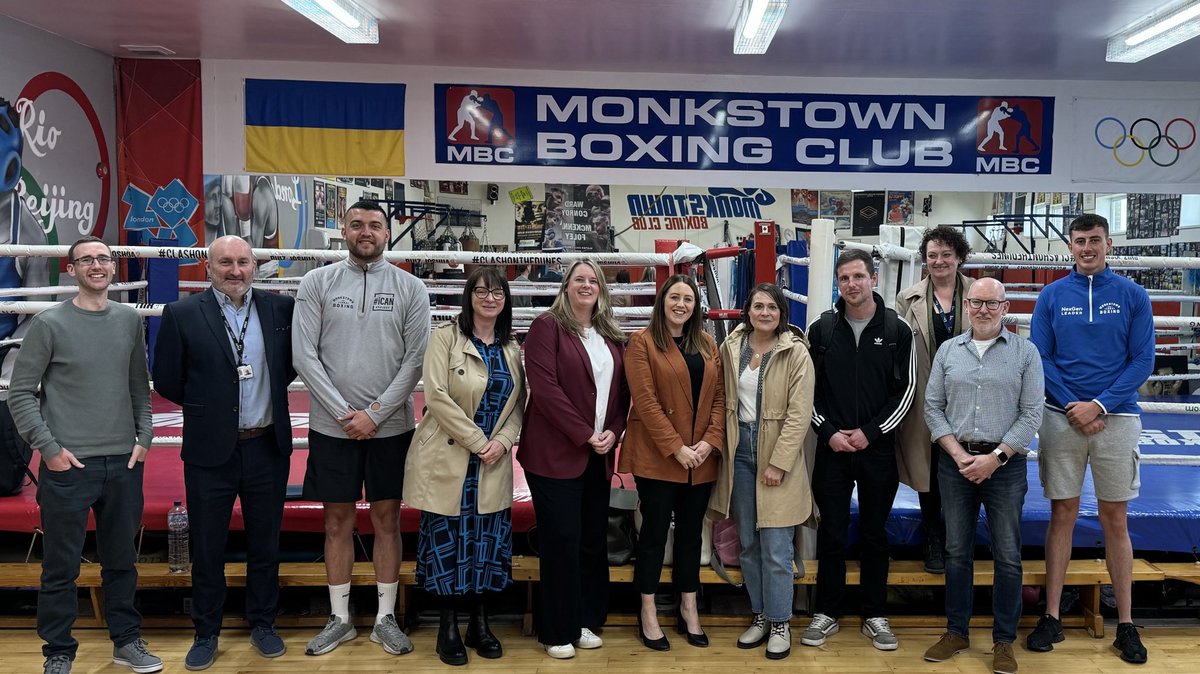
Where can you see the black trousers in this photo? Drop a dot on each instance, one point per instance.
(107, 488)
(257, 473)
(659, 499)
(572, 518)
(931, 501)
(834, 477)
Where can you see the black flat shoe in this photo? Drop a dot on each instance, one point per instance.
(659, 644)
(698, 640)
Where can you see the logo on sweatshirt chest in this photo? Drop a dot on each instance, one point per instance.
(342, 302)
(1110, 308)
(1070, 311)
(383, 302)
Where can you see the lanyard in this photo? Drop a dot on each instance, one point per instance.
(239, 341)
(947, 319)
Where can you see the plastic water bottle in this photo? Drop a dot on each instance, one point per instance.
(179, 559)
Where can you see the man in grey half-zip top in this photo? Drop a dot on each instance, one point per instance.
(358, 340)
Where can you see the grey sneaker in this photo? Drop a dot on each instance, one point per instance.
(57, 664)
(335, 633)
(389, 635)
(135, 656)
(820, 629)
(880, 631)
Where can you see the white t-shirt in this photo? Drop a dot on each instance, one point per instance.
(602, 371)
(982, 346)
(748, 395)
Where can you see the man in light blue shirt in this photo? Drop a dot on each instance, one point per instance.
(983, 406)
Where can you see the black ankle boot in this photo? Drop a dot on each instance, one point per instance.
(480, 637)
(450, 646)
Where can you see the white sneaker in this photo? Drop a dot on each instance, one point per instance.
(588, 639)
(756, 634)
(779, 644)
(562, 652)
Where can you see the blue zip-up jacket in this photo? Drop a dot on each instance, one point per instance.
(1096, 337)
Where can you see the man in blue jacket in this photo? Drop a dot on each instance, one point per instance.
(1095, 332)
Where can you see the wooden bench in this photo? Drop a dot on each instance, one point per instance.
(1087, 574)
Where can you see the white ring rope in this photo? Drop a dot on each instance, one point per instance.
(66, 290)
(1153, 298)
(795, 297)
(304, 255)
(1171, 408)
(1155, 459)
(1174, 377)
(1159, 321)
(781, 260)
(1032, 260)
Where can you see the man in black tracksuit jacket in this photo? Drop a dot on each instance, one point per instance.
(864, 388)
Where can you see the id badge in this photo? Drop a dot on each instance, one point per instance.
(245, 372)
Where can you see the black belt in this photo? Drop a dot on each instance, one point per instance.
(251, 433)
(978, 448)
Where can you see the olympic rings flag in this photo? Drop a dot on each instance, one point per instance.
(1149, 142)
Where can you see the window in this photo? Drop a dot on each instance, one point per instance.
(1113, 208)
(1189, 211)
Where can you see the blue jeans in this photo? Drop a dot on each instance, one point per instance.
(766, 553)
(106, 487)
(1003, 496)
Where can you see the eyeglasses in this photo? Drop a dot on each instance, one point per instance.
(482, 293)
(89, 260)
(991, 304)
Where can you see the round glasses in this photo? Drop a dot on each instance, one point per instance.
(482, 293)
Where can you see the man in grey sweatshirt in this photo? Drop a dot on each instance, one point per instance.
(92, 426)
(358, 341)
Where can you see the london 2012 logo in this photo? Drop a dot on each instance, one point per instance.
(480, 124)
(1145, 138)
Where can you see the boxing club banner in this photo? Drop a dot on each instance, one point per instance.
(623, 129)
(1136, 141)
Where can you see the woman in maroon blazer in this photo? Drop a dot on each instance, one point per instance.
(575, 416)
(676, 429)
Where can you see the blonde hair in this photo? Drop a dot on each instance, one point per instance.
(602, 316)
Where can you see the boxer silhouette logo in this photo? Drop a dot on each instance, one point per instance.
(484, 116)
(1009, 126)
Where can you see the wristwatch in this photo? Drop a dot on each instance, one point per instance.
(1001, 455)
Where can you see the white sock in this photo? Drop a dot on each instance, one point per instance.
(339, 601)
(387, 599)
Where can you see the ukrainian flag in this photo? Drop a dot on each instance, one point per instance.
(324, 128)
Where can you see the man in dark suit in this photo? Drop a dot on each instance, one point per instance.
(225, 355)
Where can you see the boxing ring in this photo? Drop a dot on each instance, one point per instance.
(1165, 518)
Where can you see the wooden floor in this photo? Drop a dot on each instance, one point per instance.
(1172, 649)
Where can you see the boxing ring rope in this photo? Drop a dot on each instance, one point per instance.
(1153, 298)
(1025, 261)
(66, 290)
(308, 255)
(795, 297)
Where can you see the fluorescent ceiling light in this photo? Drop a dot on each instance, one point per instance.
(756, 26)
(347, 21)
(1166, 27)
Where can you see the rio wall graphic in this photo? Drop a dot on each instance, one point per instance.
(543, 126)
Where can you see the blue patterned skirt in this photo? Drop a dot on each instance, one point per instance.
(469, 553)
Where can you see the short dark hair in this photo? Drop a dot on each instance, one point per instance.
(492, 278)
(771, 290)
(947, 236)
(1088, 221)
(81, 241)
(623, 277)
(850, 255)
(369, 205)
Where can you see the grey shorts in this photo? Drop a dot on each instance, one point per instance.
(1064, 453)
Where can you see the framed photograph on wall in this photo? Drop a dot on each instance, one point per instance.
(453, 187)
